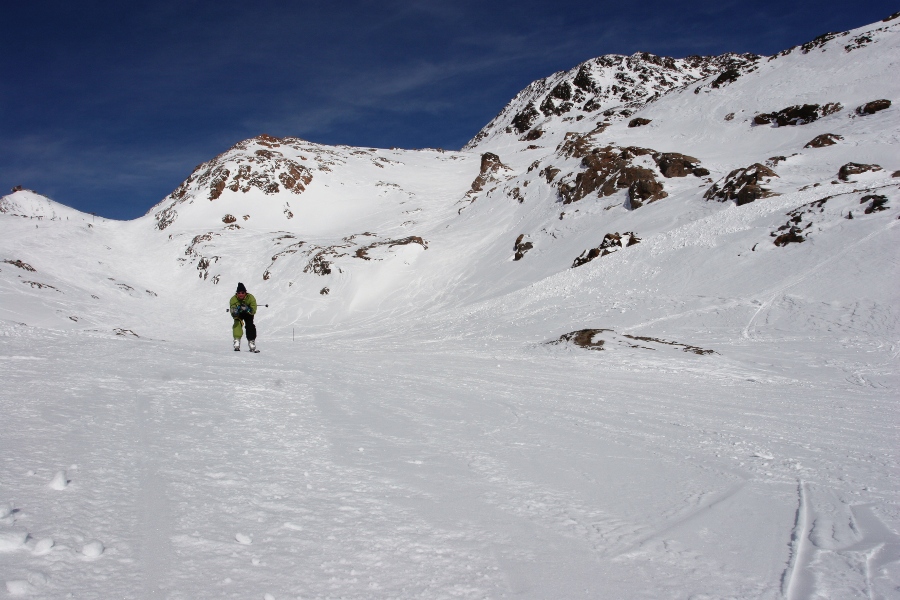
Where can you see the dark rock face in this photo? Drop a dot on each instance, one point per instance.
(870, 108)
(877, 203)
(583, 338)
(639, 122)
(21, 265)
(800, 114)
(490, 164)
(609, 169)
(229, 219)
(851, 169)
(675, 164)
(826, 139)
(611, 242)
(363, 251)
(532, 135)
(742, 185)
(523, 120)
(727, 76)
(521, 247)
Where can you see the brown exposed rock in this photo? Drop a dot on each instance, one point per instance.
(792, 232)
(608, 170)
(21, 265)
(589, 340)
(791, 237)
(40, 286)
(549, 172)
(611, 242)
(229, 219)
(523, 120)
(217, 182)
(520, 247)
(639, 122)
(324, 291)
(490, 165)
(363, 251)
(831, 108)
(742, 185)
(877, 203)
(851, 169)
(318, 264)
(729, 117)
(800, 114)
(675, 164)
(583, 338)
(870, 108)
(896, 15)
(532, 135)
(725, 77)
(826, 139)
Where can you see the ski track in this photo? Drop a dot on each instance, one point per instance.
(395, 473)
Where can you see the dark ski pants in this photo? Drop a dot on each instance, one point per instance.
(238, 330)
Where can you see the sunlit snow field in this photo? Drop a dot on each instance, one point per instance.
(419, 422)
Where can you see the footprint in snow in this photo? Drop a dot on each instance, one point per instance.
(20, 587)
(7, 514)
(93, 549)
(43, 546)
(59, 481)
(12, 540)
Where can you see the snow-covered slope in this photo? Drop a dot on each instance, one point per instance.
(643, 328)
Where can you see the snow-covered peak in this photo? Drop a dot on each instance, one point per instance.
(28, 203)
(614, 88)
(602, 89)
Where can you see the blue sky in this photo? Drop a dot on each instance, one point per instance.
(108, 106)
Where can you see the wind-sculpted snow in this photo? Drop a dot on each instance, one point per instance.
(577, 360)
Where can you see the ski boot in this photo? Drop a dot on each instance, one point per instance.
(237, 345)
(252, 345)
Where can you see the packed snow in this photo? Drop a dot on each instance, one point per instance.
(700, 414)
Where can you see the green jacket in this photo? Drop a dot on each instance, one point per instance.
(238, 308)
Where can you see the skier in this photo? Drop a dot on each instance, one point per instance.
(243, 307)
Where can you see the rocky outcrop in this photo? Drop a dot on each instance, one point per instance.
(583, 338)
(611, 243)
(800, 114)
(258, 163)
(524, 118)
(490, 166)
(589, 339)
(743, 185)
(521, 247)
(614, 84)
(610, 169)
(851, 169)
(675, 164)
(639, 122)
(876, 202)
(22, 265)
(821, 141)
(870, 108)
(363, 251)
